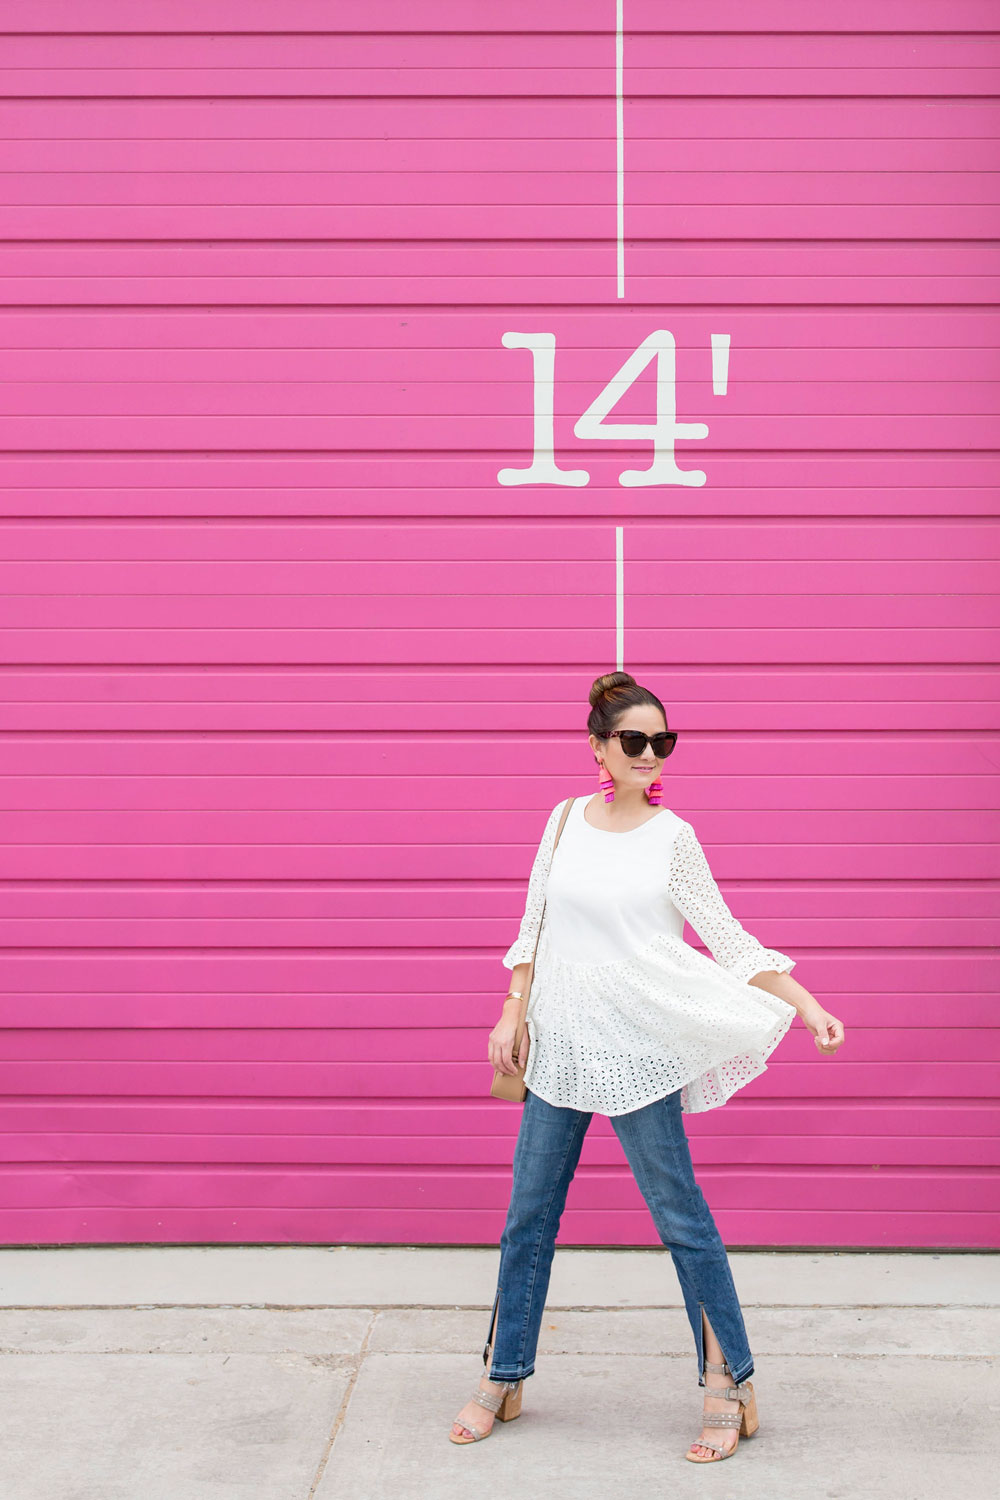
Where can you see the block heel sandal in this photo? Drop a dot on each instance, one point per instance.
(506, 1404)
(745, 1419)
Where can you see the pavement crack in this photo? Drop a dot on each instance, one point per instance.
(341, 1416)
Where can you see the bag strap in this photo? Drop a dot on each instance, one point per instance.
(522, 1009)
(489, 1336)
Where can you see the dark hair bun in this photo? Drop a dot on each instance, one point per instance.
(610, 680)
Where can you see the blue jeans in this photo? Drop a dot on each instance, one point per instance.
(548, 1148)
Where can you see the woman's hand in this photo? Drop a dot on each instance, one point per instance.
(501, 1041)
(828, 1032)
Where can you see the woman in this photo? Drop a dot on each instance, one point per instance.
(626, 1019)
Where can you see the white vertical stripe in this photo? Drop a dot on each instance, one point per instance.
(620, 145)
(619, 598)
(720, 363)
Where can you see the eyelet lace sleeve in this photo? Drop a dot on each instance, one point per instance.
(523, 946)
(694, 892)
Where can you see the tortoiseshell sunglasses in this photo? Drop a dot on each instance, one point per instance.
(634, 741)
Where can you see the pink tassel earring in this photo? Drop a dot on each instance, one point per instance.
(654, 792)
(605, 782)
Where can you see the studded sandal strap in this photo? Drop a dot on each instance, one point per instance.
(740, 1392)
(489, 1399)
(722, 1369)
(701, 1443)
(722, 1418)
(477, 1432)
(493, 1400)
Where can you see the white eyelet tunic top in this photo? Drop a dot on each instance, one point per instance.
(622, 1010)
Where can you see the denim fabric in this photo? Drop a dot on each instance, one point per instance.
(548, 1148)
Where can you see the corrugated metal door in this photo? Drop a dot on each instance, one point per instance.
(292, 679)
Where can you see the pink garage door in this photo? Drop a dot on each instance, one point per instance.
(291, 678)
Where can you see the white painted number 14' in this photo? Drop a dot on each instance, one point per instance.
(662, 433)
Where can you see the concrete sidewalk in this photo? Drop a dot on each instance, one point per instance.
(217, 1373)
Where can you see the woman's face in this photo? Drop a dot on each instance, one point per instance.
(622, 769)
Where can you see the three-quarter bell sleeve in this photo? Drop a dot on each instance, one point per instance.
(523, 946)
(694, 892)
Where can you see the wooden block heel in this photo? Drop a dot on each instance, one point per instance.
(750, 1420)
(510, 1406)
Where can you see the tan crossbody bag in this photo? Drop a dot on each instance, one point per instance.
(511, 1085)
